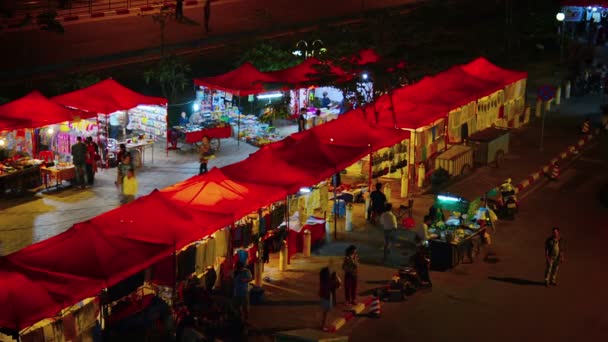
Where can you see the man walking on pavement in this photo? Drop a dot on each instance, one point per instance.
(554, 255)
(207, 14)
(389, 225)
(179, 9)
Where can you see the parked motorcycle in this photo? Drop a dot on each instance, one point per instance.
(509, 203)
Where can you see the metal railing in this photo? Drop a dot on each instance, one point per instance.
(77, 7)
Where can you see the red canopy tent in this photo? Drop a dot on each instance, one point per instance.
(105, 97)
(484, 69)
(24, 301)
(268, 169)
(171, 224)
(352, 130)
(215, 192)
(307, 73)
(245, 80)
(32, 111)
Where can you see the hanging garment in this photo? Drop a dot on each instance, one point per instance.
(255, 228)
(237, 236)
(186, 263)
(209, 259)
(221, 242)
(201, 251)
(33, 336)
(86, 316)
(69, 327)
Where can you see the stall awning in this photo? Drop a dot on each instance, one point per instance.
(245, 80)
(32, 111)
(484, 69)
(106, 97)
(215, 192)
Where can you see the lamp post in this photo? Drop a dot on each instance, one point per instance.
(560, 18)
(309, 49)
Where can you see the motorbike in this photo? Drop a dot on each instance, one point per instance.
(508, 203)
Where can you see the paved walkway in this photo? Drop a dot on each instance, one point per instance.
(32, 219)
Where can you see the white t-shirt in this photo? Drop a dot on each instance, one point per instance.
(389, 221)
(422, 231)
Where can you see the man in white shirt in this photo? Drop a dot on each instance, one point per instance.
(389, 225)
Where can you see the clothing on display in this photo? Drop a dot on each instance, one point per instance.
(186, 263)
(86, 317)
(221, 242)
(33, 336)
(162, 273)
(69, 327)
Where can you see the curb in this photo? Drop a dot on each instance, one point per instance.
(570, 150)
(357, 309)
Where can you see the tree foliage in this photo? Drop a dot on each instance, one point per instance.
(73, 82)
(269, 57)
(172, 75)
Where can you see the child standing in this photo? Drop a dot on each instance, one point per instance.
(129, 187)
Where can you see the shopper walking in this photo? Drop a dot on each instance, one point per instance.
(389, 225)
(129, 187)
(205, 154)
(242, 277)
(554, 256)
(207, 15)
(302, 121)
(350, 266)
(179, 10)
(377, 203)
(327, 286)
(91, 160)
(123, 168)
(79, 159)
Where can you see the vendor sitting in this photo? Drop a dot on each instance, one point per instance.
(325, 101)
(183, 119)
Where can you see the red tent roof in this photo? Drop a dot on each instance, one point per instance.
(365, 56)
(245, 80)
(171, 224)
(32, 111)
(106, 97)
(484, 69)
(306, 73)
(215, 192)
(269, 169)
(24, 301)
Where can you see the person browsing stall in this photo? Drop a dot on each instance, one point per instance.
(325, 101)
(129, 187)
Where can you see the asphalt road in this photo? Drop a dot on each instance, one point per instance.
(505, 299)
(97, 40)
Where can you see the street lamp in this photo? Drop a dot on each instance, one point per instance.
(561, 17)
(306, 49)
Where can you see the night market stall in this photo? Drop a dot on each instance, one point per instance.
(458, 236)
(31, 147)
(218, 94)
(123, 116)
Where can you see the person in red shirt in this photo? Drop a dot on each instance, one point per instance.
(91, 160)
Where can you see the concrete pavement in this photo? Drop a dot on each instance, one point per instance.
(24, 221)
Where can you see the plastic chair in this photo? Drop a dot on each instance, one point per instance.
(47, 156)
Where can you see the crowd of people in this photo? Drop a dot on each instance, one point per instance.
(86, 157)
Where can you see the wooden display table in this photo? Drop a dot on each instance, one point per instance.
(58, 174)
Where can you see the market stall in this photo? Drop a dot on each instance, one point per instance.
(457, 238)
(30, 137)
(123, 116)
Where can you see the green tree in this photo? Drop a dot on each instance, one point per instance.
(73, 82)
(269, 57)
(172, 75)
